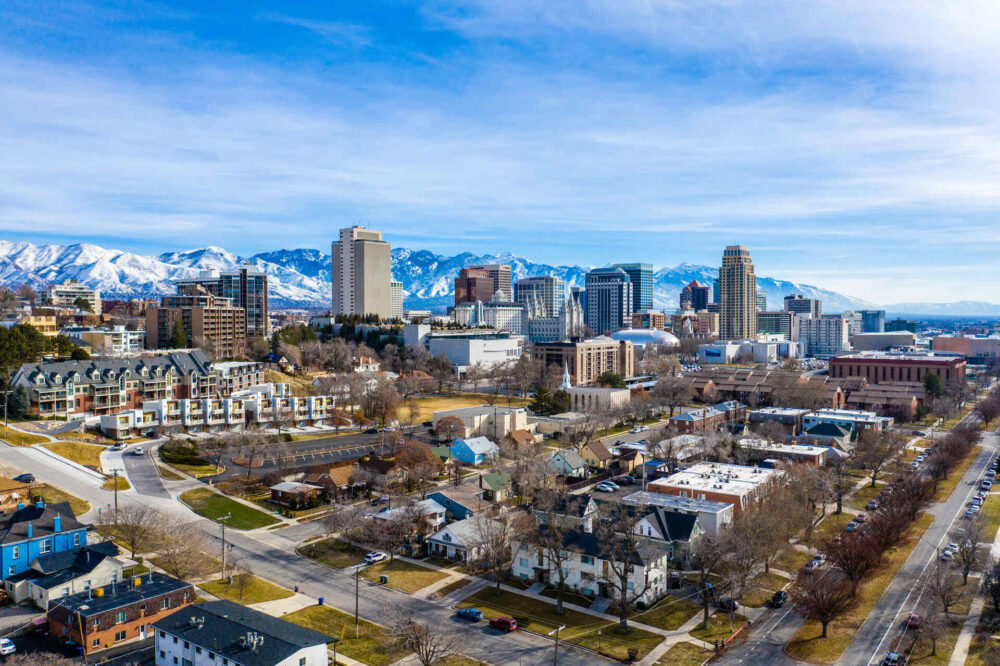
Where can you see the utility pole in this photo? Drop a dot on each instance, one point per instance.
(116, 492)
(555, 654)
(357, 580)
(6, 399)
(222, 521)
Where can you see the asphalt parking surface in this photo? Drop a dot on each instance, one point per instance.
(143, 475)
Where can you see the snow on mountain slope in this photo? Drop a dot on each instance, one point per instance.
(302, 276)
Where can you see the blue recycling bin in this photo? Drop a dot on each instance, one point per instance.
(321, 600)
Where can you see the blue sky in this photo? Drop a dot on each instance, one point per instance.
(849, 144)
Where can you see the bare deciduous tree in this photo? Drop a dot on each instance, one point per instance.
(622, 547)
(549, 535)
(495, 536)
(967, 555)
(137, 526)
(943, 589)
(672, 392)
(708, 557)
(430, 641)
(822, 597)
(875, 450)
(181, 551)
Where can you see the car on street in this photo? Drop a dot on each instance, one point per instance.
(7, 646)
(638, 429)
(138, 451)
(872, 505)
(986, 485)
(503, 623)
(914, 465)
(626, 480)
(117, 446)
(920, 458)
(894, 659)
(604, 487)
(728, 604)
(819, 557)
(371, 431)
(375, 556)
(25, 478)
(778, 599)
(851, 526)
(991, 473)
(471, 614)
(380, 500)
(913, 621)
(860, 518)
(952, 546)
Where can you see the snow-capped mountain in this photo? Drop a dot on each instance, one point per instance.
(302, 276)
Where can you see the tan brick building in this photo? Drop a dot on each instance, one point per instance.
(890, 368)
(587, 359)
(205, 317)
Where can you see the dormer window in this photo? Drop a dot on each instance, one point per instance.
(40, 381)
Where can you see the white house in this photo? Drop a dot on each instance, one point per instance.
(431, 510)
(459, 541)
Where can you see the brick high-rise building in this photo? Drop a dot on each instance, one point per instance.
(737, 295)
(206, 318)
(695, 296)
(361, 273)
(473, 284)
(501, 276)
(245, 288)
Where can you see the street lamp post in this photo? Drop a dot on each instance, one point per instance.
(555, 654)
(222, 521)
(115, 471)
(357, 581)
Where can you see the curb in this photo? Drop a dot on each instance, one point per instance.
(55, 456)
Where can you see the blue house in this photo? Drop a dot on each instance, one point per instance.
(474, 450)
(35, 530)
(461, 502)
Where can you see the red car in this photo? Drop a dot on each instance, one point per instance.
(913, 622)
(504, 623)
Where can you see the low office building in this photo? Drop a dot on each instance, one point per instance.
(712, 515)
(704, 419)
(465, 348)
(789, 418)
(852, 420)
(795, 453)
(223, 632)
(494, 422)
(586, 360)
(755, 351)
(115, 341)
(900, 368)
(883, 341)
(649, 319)
(978, 348)
(118, 613)
(738, 485)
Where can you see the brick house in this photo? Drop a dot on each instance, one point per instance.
(698, 420)
(118, 613)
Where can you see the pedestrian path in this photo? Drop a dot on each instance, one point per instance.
(279, 607)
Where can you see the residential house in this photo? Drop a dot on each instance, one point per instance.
(444, 454)
(733, 411)
(58, 575)
(521, 437)
(496, 487)
(461, 540)
(474, 450)
(676, 529)
(712, 515)
(568, 463)
(590, 572)
(35, 530)
(705, 419)
(828, 434)
(379, 471)
(337, 476)
(433, 513)
(118, 613)
(223, 632)
(596, 455)
(578, 509)
(297, 495)
(460, 502)
(492, 421)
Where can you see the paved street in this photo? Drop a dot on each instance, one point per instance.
(141, 471)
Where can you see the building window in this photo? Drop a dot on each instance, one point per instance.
(165, 604)
(119, 617)
(120, 636)
(10, 570)
(302, 661)
(16, 553)
(76, 539)
(163, 655)
(45, 546)
(197, 649)
(586, 559)
(96, 642)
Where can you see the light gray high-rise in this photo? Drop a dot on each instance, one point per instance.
(609, 300)
(549, 290)
(361, 273)
(799, 304)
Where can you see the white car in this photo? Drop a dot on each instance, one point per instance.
(7, 646)
(605, 487)
(375, 556)
(137, 451)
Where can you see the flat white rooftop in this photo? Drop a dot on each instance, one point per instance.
(737, 480)
(675, 502)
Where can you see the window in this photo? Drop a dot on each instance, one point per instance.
(586, 559)
(10, 570)
(96, 642)
(197, 649)
(119, 617)
(524, 562)
(163, 655)
(15, 553)
(302, 661)
(162, 635)
(166, 603)
(45, 546)
(120, 636)
(76, 539)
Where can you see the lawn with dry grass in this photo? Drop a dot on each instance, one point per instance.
(334, 553)
(439, 403)
(52, 495)
(670, 613)
(88, 455)
(403, 575)
(254, 591)
(685, 654)
(374, 645)
(18, 438)
(946, 487)
(807, 645)
(121, 482)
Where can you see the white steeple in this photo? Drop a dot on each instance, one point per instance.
(566, 383)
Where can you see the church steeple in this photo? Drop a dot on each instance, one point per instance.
(566, 383)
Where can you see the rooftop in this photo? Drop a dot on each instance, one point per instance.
(738, 480)
(914, 357)
(781, 411)
(800, 449)
(673, 502)
(151, 585)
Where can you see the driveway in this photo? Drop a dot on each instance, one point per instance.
(143, 476)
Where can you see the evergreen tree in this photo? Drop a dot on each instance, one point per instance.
(178, 337)
(611, 380)
(560, 401)
(79, 354)
(542, 403)
(933, 384)
(18, 403)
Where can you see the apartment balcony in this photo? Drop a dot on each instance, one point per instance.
(151, 423)
(171, 421)
(194, 420)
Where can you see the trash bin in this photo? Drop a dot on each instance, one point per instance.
(321, 600)
(383, 579)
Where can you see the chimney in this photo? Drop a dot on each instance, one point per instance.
(31, 530)
(57, 523)
(20, 505)
(40, 504)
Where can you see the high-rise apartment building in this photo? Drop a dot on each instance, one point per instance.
(396, 289)
(362, 266)
(65, 295)
(245, 288)
(799, 304)
(695, 296)
(474, 284)
(761, 300)
(641, 277)
(826, 336)
(548, 290)
(501, 276)
(900, 325)
(737, 295)
(854, 320)
(778, 323)
(873, 321)
(206, 319)
(609, 300)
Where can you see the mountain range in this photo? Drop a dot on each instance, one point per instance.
(300, 277)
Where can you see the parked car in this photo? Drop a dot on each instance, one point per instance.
(952, 546)
(504, 623)
(380, 500)
(811, 566)
(7, 646)
(471, 614)
(375, 557)
(605, 487)
(860, 518)
(819, 557)
(137, 451)
(728, 604)
(970, 514)
(371, 431)
(986, 485)
(117, 446)
(872, 505)
(913, 621)
(778, 599)
(626, 480)
(25, 478)
(851, 526)
(894, 659)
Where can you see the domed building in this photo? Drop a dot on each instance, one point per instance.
(640, 337)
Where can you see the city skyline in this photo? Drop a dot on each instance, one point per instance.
(845, 146)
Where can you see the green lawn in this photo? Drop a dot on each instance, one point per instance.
(88, 455)
(685, 654)
(17, 438)
(669, 613)
(581, 629)
(373, 646)
(52, 495)
(807, 645)
(404, 576)
(256, 591)
(212, 505)
(333, 552)
(718, 627)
